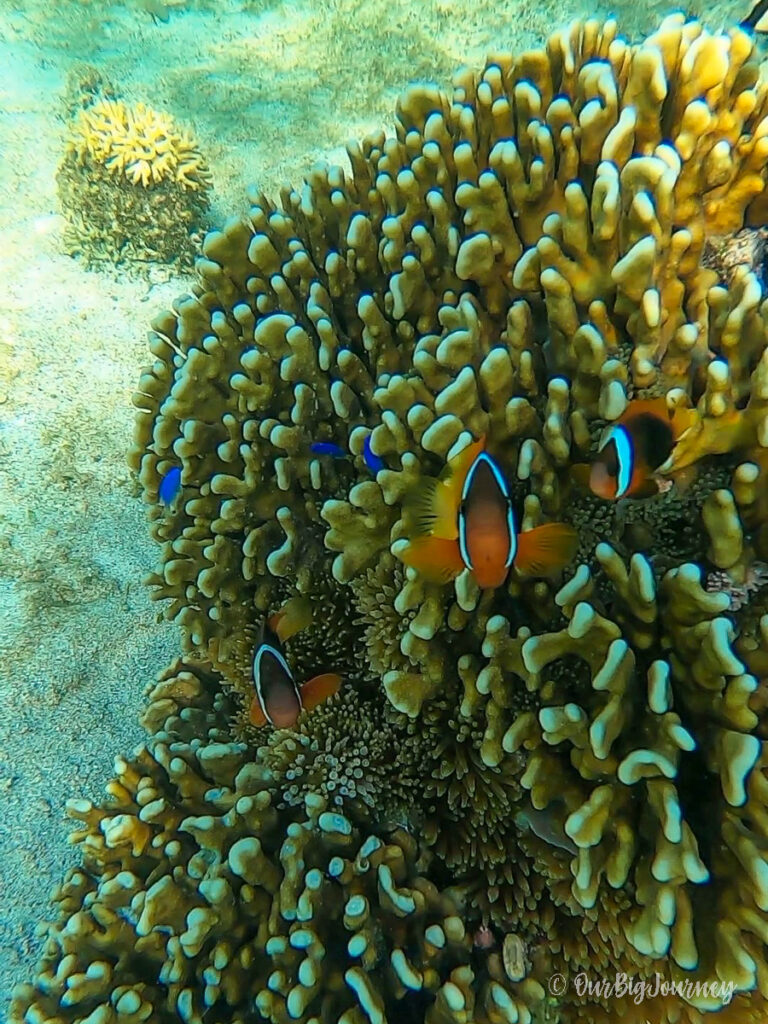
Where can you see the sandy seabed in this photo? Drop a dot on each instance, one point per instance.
(268, 89)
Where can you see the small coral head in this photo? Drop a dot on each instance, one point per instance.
(140, 144)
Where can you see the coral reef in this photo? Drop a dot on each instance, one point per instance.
(556, 776)
(197, 892)
(134, 186)
(344, 752)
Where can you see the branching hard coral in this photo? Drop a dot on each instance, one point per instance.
(133, 185)
(517, 264)
(584, 740)
(142, 145)
(583, 757)
(200, 900)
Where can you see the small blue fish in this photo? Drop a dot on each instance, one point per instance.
(373, 462)
(327, 448)
(170, 485)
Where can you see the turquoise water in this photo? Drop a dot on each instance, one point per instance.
(267, 90)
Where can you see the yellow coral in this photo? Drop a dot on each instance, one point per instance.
(133, 185)
(141, 144)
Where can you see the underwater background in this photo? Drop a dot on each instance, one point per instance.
(267, 89)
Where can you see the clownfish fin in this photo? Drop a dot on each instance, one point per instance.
(255, 715)
(431, 507)
(295, 615)
(546, 549)
(430, 510)
(437, 559)
(455, 473)
(457, 468)
(682, 418)
(318, 689)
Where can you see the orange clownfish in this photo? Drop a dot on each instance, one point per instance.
(279, 700)
(633, 448)
(466, 519)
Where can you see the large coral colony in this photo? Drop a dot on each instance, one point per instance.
(519, 314)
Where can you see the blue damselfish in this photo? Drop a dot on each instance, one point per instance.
(170, 485)
(327, 448)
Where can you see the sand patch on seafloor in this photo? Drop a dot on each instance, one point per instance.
(267, 90)
(78, 637)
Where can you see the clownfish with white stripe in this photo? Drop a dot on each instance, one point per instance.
(633, 448)
(279, 700)
(465, 519)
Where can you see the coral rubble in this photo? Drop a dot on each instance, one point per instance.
(556, 777)
(133, 185)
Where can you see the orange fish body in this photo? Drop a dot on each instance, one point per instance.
(279, 700)
(466, 519)
(634, 447)
(486, 521)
